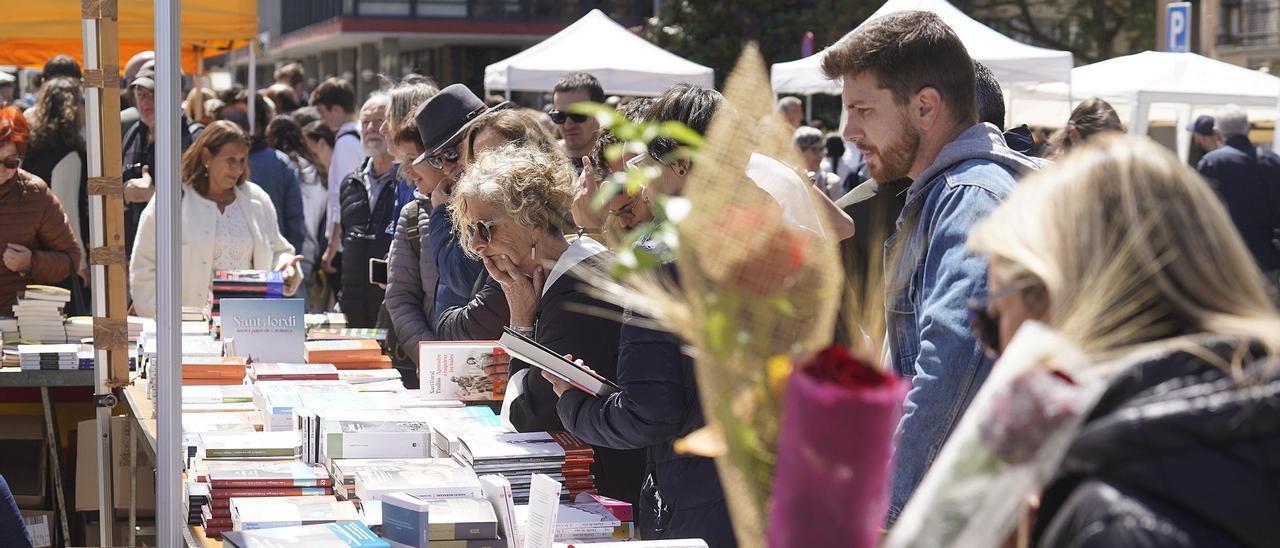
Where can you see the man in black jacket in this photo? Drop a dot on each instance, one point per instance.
(1247, 178)
(138, 150)
(368, 208)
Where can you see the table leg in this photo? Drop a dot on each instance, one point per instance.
(55, 462)
(133, 483)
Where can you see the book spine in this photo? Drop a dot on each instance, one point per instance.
(270, 492)
(270, 483)
(235, 453)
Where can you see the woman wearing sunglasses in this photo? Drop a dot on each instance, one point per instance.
(36, 243)
(513, 206)
(1124, 250)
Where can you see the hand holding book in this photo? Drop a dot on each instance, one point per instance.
(288, 265)
(558, 385)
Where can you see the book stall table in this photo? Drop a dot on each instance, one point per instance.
(142, 419)
(18, 378)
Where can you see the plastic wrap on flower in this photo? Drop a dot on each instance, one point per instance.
(772, 252)
(1007, 445)
(831, 482)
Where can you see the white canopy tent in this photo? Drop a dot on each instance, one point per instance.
(626, 64)
(1012, 62)
(1176, 84)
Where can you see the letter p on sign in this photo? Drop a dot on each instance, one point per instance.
(1178, 27)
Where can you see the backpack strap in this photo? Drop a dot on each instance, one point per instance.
(413, 232)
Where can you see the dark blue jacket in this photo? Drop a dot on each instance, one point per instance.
(13, 531)
(458, 272)
(275, 173)
(1248, 180)
(657, 405)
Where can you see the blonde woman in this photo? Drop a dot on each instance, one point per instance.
(512, 209)
(1122, 248)
(228, 223)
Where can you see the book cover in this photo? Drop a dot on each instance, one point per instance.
(259, 474)
(343, 534)
(519, 447)
(369, 363)
(457, 370)
(294, 371)
(375, 439)
(250, 445)
(250, 513)
(236, 492)
(345, 469)
(265, 330)
(342, 351)
(497, 490)
(447, 479)
(545, 359)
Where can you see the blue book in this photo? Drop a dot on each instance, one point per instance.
(343, 534)
(265, 330)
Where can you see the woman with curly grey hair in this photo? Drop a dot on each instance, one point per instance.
(512, 207)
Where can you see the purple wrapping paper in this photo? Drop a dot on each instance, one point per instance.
(835, 450)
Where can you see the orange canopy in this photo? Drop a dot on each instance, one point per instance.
(32, 31)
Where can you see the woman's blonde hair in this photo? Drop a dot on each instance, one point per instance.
(532, 186)
(517, 126)
(1132, 247)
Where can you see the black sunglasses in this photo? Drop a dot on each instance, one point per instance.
(481, 230)
(559, 116)
(985, 324)
(12, 162)
(449, 154)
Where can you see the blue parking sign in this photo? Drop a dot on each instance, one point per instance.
(1178, 27)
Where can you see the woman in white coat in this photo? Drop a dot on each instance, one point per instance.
(228, 223)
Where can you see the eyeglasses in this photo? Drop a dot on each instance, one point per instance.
(625, 210)
(12, 162)
(449, 154)
(642, 159)
(559, 116)
(481, 231)
(985, 324)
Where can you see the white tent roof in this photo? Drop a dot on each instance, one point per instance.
(1011, 61)
(1164, 77)
(626, 64)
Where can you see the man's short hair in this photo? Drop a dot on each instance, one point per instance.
(693, 106)
(293, 72)
(1232, 121)
(806, 137)
(335, 93)
(908, 51)
(789, 102)
(989, 96)
(581, 80)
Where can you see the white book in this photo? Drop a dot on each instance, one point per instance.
(545, 359)
(252, 513)
(445, 479)
(497, 490)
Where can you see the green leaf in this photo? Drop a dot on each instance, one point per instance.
(614, 152)
(784, 307)
(717, 331)
(608, 189)
(682, 133)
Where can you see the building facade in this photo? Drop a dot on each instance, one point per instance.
(1241, 32)
(448, 40)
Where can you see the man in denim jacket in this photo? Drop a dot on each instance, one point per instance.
(909, 92)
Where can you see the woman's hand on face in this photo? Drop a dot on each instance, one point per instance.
(440, 194)
(523, 293)
(584, 215)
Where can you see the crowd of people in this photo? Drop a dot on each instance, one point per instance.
(480, 210)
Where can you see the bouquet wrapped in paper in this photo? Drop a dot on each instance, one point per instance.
(831, 483)
(1007, 446)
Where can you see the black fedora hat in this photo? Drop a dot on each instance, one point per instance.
(443, 118)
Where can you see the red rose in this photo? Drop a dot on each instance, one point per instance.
(836, 366)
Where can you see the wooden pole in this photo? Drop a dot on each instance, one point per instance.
(106, 251)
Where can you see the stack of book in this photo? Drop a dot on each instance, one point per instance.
(346, 333)
(460, 370)
(249, 478)
(49, 356)
(293, 372)
(344, 471)
(438, 479)
(197, 495)
(584, 522)
(8, 329)
(447, 424)
(410, 520)
(213, 395)
(559, 455)
(327, 320)
(197, 371)
(39, 313)
(228, 421)
(365, 434)
(79, 328)
(343, 534)
(348, 354)
(276, 400)
(245, 284)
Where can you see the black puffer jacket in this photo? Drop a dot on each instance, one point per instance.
(1176, 454)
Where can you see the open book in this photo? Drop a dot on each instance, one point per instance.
(544, 358)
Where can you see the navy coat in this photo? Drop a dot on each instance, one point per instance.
(1248, 180)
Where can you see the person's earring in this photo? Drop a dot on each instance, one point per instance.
(533, 252)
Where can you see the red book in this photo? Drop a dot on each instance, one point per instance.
(271, 492)
(218, 523)
(220, 513)
(220, 504)
(380, 362)
(574, 447)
